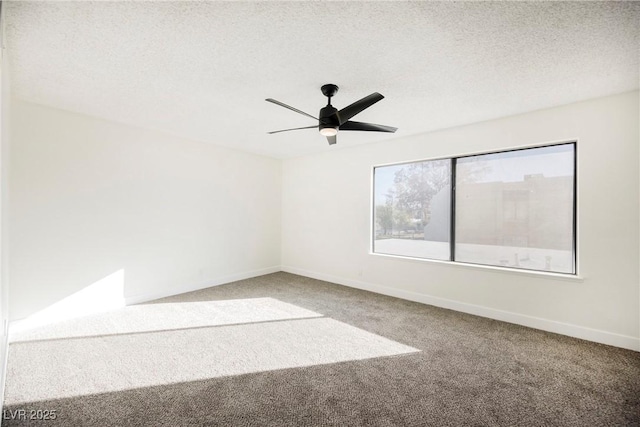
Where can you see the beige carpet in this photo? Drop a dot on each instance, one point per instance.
(60, 368)
(363, 360)
(163, 317)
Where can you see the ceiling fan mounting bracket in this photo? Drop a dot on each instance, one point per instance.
(329, 90)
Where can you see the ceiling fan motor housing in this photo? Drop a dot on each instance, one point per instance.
(328, 117)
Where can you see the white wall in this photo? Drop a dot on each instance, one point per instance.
(326, 223)
(90, 198)
(4, 191)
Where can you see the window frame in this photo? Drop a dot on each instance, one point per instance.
(452, 213)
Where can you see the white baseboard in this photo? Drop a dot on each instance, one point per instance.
(595, 335)
(136, 299)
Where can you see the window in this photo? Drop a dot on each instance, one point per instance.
(512, 209)
(413, 209)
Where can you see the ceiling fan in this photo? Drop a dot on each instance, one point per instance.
(331, 120)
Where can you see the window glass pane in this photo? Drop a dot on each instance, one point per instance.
(516, 209)
(412, 209)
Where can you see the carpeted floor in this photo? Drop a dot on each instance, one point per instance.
(303, 352)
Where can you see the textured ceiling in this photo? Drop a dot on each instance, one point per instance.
(202, 70)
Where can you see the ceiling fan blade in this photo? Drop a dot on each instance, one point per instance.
(367, 127)
(332, 140)
(289, 107)
(347, 112)
(287, 130)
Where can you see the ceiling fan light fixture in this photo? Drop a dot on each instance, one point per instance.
(329, 131)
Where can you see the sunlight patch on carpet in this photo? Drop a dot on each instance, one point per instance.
(43, 370)
(159, 317)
